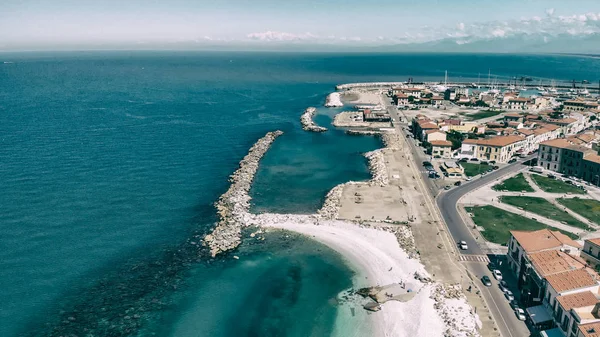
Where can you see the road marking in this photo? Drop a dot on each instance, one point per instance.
(474, 258)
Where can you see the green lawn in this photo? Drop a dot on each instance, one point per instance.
(472, 170)
(555, 185)
(544, 208)
(483, 114)
(587, 208)
(498, 222)
(514, 184)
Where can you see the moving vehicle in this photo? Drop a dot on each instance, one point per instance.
(497, 274)
(520, 314)
(537, 169)
(458, 183)
(463, 245)
(509, 295)
(513, 160)
(486, 281)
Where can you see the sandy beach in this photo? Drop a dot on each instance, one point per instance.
(378, 260)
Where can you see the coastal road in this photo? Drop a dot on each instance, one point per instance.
(447, 202)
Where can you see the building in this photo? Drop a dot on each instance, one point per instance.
(591, 251)
(401, 100)
(500, 149)
(591, 169)
(512, 117)
(452, 170)
(376, 116)
(434, 134)
(562, 156)
(441, 149)
(518, 103)
(579, 105)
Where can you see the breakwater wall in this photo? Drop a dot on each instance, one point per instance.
(307, 121)
(233, 206)
(349, 86)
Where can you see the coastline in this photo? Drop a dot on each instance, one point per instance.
(382, 253)
(307, 121)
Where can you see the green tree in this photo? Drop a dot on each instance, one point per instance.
(456, 138)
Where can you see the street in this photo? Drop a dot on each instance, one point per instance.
(499, 306)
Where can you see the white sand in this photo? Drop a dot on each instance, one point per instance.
(333, 100)
(378, 260)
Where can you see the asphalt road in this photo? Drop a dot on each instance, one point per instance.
(499, 306)
(447, 203)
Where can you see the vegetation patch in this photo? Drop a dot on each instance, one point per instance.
(555, 185)
(544, 208)
(498, 223)
(483, 114)
(517, 183)
(472, 169)
(587, 208)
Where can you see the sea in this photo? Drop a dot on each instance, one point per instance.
(110, 163)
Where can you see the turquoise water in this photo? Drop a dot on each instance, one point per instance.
(111, 163)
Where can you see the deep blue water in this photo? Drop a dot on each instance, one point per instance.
(110, 162)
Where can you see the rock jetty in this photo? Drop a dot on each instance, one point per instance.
(334, 100)
(307, 121)
(233, 206)
(349, 86)
(377, 167)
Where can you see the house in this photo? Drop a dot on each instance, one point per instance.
(420, 125)
(401, 100)
(435, 134)
(591, 169)
(512, 117)
(573, 310)
(452, 170)
(591, 251)
(562, 156)
(375, 116)
(441, 148)
(414, 92)
(500, 149)
(517, 103)
(579, 105)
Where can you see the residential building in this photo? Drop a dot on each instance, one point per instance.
(401, 100)
(562, 156)
(434, 134)
(591, 169)
(452, 170)
(579, 105)
(518, 103)
(441, 148)
(591, 251)
(500, 149)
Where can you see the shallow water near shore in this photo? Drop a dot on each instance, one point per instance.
(111, 163)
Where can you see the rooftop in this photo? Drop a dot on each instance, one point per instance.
(526, 132)
(445, 143)
(434, 131)
(595, 241)
(543, 239)
(495, 141)
(577, 300)
(558, 142)
(549, 262)
(428, 125)
(590, 330)
(571, 280)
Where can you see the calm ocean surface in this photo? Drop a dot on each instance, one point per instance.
(110, 163)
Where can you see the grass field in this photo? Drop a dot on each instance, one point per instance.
(498, 222)
(472, 169)
(514, 184)
(587, 208)
(544, 208)
(555, 185)
(483, 114)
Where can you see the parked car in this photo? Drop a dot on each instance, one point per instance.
(520, 314)
(463, 245)
(514, 304)
(495, 167)
(551, 176)
(463, 160)
(509, 295)
(457, 183)
(503, 286)
(447, 187)
(468, 179)
(426, 164)
(513, 160)
(497, 274)
(486, 281)
(474, 159)
(492, 162)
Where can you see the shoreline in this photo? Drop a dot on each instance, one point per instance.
(382, 253)
(307, 121)
(334, 100)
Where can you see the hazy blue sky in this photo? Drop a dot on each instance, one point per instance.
(30, 22)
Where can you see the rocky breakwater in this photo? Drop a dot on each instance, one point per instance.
(334, 100)
(307, 121)
(349, 86)
(377, 167)
(233, 205)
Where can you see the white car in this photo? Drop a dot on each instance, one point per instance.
(468, 179)
(509, 295)
(497, 274)
(463, 245)
(520, 314)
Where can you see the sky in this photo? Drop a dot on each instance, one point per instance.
(29, 24)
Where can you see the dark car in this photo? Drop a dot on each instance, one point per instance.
(486, 281)
(474, 159)
(463, 160)
(458, 183)
(495, 167)
(513, 160)
(551, 176)
(426, 163)
(492, 162)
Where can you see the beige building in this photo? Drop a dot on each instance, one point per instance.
(434, 135)
(500, 149)
(441, 148)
